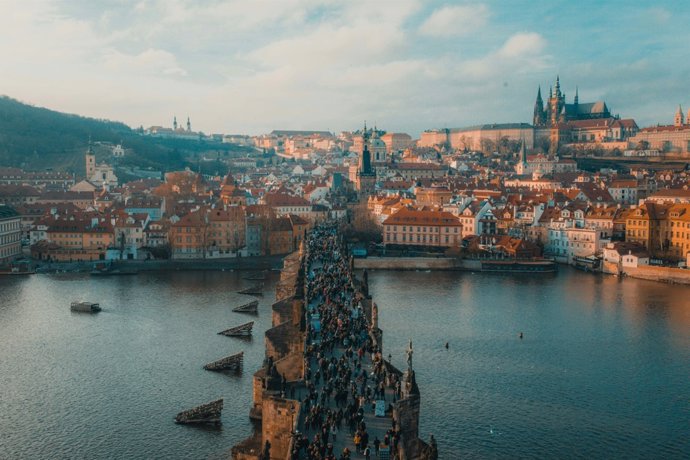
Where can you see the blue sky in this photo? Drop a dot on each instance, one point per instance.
(408, 65)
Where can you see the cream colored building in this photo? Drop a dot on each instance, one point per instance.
(396, 142)
(670, 139)
(481, 137)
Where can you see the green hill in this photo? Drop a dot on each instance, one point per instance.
(36, 138)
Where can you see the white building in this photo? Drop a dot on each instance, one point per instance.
(10, 234)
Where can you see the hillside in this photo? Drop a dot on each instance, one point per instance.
(36, 138)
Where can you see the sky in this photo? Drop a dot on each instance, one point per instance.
(405, 65)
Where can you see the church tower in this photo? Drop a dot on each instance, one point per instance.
(90, 158)
(556, 103)
(521, 167)
(174, 123)
(366, 175)
(539, 118)
(377, 148)
(678, 119)
(189, 125)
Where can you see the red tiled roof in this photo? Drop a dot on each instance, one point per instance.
(413, 217)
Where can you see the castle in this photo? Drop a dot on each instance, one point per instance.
(556, 110)
(555, 123)
(577, 123)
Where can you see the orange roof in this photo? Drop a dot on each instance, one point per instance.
(430, 218)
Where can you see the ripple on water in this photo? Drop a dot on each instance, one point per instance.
(602, 369)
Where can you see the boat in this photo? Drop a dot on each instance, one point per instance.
(206, 413)
(588, 264)
(17, 271)
(243, 330)
(229, 363)
(257, 289)
(250, 307)
(114, 272)
(519, 266)
(85, 307)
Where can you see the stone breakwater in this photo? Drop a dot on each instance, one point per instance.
(324, 366)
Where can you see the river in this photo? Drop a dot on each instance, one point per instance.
(603, 369)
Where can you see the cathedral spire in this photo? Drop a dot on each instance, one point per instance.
(558, 86)
(175, 122)
(577, 98)
(539, 116)
(678, 119)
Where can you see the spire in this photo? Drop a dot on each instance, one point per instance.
(558, 86)
(189, 125)
(175, 122)
(678, 119)
(539, 115)
(550, 92)
(577, 98)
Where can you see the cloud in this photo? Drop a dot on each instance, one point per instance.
(148, 62)
(520, 53)
(522, 44)
(241, 66)
(452, 21)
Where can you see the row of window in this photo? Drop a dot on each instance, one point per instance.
(393, 238)
(6, 239)
(9, 226)
(10, 251)
(420, 229)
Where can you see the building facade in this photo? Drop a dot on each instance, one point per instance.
(410, 227)
(10, 235)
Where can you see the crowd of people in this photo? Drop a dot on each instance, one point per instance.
(345, 374)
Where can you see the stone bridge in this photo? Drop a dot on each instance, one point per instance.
(280, 386)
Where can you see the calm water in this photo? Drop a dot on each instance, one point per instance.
(108, 385)
(603, 369)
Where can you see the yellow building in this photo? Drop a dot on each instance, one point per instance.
(409, 227)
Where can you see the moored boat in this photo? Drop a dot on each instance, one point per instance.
(519, 266)
(85, 307)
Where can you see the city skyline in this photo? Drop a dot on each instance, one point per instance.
(408, 65)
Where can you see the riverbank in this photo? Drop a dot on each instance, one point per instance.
(244, 263)
(452, 263)
(671, 275)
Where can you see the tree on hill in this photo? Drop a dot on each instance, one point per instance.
(36, 138)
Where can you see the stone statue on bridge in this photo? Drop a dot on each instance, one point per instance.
(409, 355)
